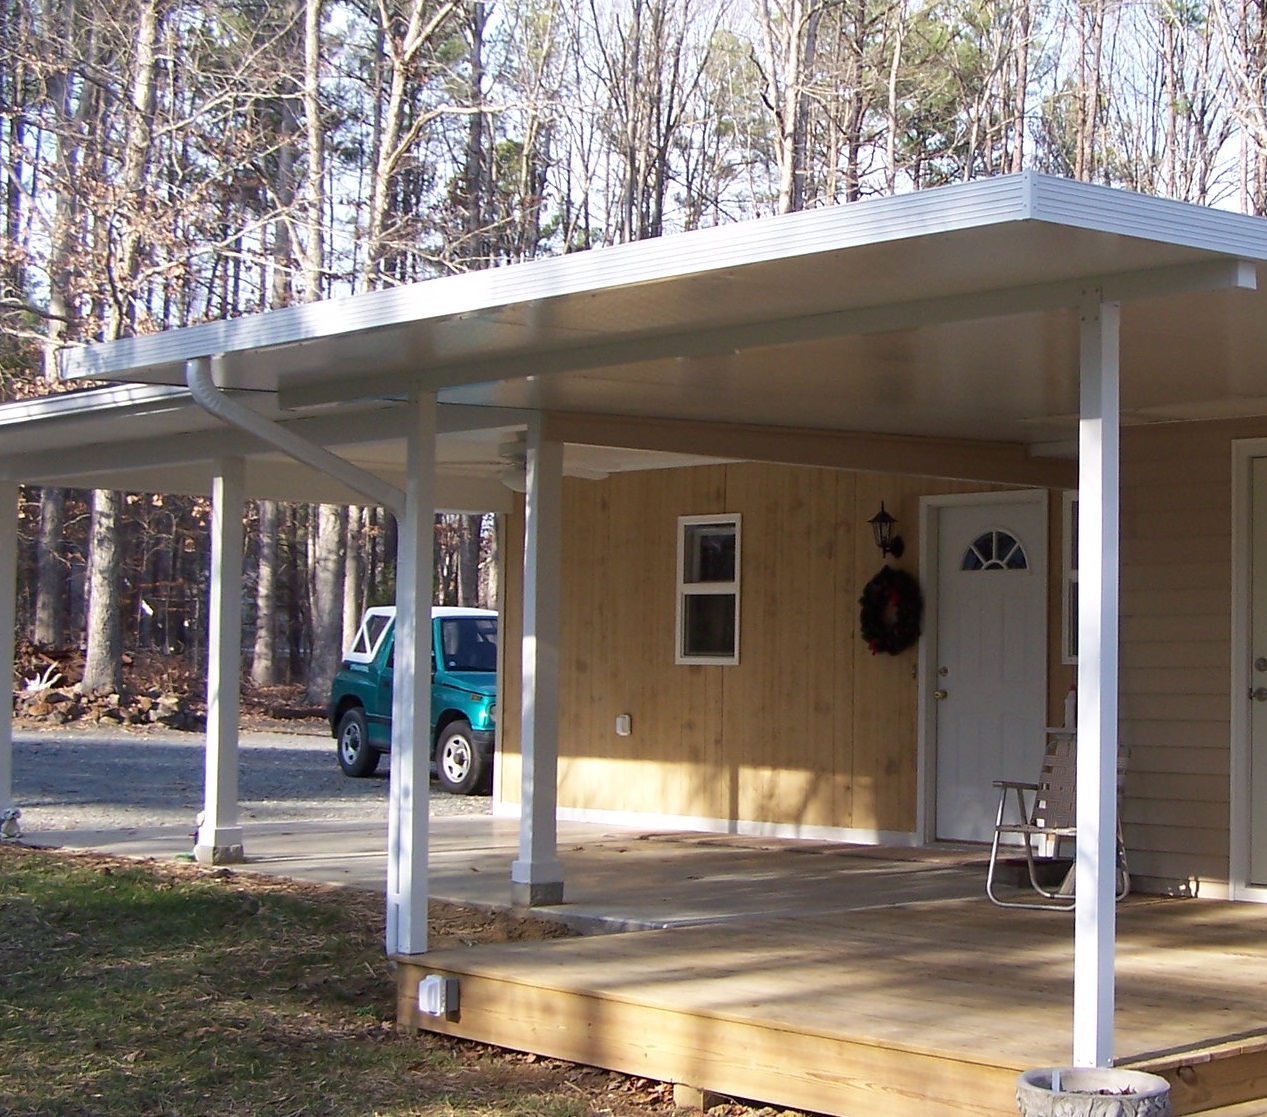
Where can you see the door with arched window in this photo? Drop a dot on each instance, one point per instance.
(991, 655)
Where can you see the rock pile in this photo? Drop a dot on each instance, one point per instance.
(61, 705)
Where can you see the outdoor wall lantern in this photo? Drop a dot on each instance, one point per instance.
(882, 526)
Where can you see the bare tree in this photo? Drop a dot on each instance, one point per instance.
(789, 37)
(103, 666)
(327, 600)
(264, 660)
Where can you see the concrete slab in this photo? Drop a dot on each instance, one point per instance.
(615, 879)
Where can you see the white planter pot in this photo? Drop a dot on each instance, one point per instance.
(1092, 1092)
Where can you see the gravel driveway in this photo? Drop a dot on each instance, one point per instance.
(97, 778)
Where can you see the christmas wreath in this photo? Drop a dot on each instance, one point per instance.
(892, 611)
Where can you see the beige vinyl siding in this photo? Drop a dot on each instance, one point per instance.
(809, 729)
(1175, 651)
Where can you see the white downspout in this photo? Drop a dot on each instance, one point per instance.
(214, 401)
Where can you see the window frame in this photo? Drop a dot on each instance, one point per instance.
(1069, 578)
(685, 589)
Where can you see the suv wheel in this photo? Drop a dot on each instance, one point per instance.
(459, 768)
(357, 757)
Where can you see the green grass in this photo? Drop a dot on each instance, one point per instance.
(138, 989)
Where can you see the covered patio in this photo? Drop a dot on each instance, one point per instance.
(1001, 332)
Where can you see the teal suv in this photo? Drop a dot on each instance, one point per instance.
(463, 696)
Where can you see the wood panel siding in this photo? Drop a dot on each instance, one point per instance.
(807, 733)
(810, 731)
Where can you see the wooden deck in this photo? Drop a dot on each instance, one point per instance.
(893, 1012)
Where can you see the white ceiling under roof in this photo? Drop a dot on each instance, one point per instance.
(950, 313)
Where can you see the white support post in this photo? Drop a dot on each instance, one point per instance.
(410, 789)
(536, 878)
(219, 838)
(8, 618)
(1096, 875)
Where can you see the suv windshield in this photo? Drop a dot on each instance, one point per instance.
(469, 643)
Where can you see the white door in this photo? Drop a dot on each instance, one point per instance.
(1258, 675)
(991, 661)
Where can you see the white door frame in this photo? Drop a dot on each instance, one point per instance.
(929, 530)
(1239, 888)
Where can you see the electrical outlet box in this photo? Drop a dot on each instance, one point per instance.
(624, 725)
(438, 996)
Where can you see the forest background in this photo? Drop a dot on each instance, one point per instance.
(168, 162)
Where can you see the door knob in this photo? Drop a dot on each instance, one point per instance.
(941, 694)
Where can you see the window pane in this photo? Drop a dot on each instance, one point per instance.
(710, 553)
(1072, 620)
(470, 643)
(995, 550)
(708, 624)
(374, 628)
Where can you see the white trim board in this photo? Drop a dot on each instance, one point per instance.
(926, 669)
(1243, 451)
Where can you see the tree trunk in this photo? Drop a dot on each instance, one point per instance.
(469, 560)
(492, 591)
(103, 668)
(263, 658)
(327, 602)
(51, 588)
(136, 152)
(297, 611)
(352, 574)
(314, 250)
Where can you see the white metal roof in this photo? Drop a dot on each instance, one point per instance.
(949, 313)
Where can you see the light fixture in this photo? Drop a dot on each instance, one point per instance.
(882, 527)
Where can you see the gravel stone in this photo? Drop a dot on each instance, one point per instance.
(105, 777)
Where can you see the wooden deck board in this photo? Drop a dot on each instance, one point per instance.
(878, 1013)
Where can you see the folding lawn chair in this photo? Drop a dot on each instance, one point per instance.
(1043, 813)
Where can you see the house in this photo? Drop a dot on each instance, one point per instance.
(706, 424)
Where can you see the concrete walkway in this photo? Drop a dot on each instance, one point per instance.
(615, 879)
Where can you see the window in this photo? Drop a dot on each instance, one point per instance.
(995, 550)
(708, 589)
(470, 643)
(1069, 582)
(368, 637)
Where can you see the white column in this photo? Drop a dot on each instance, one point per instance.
(537, 876)
(219, 838)
(1098, 473)
(8, 617)
(410, 789)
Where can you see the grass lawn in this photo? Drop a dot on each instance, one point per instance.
(135, 989)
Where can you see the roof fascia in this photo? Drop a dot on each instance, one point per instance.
(1208, 275)
(129, 402)
(135, 449)
(1104, 209)
(270, 479)
(133, 399)
(964, 205)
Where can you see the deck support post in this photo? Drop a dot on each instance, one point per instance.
(219, 839)
(410, 787)
(8, 618)
(536, 878)
(1098, 532)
